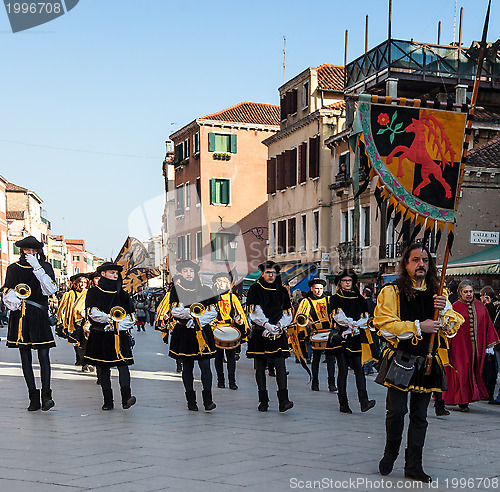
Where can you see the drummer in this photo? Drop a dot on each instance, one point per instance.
(230, 314)
(316, 306)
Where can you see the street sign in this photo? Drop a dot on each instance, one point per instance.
(484, 237)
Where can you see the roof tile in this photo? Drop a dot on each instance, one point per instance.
(486, 155)
(248, 112)
(330, 77)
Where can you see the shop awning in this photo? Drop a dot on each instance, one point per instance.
(485, 262)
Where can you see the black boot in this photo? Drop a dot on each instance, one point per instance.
(127, 399)
(391, 452)
(221, 383)
(47, 401)
(34, 396)
(232, 382)
(413, 465)
(263, 401)
(439, 406)
(191, 400)
(108, 399)
(331, 385)
(315, 385)
(207, 400)
(285, 403)
(365, 403)
(343, 403)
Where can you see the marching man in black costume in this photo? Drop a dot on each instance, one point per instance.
(350, 312)
(29, 326)
(269, 313)
(110, 312)
(316, 306)
(192, 337)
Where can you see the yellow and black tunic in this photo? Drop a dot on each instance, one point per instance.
(318, 310)
(29, 326)
(108, 348)
(228, 306)
(74, 316)
(397, 318)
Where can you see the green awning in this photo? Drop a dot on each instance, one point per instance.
(486, 262)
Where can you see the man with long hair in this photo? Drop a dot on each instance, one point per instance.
(404, 316)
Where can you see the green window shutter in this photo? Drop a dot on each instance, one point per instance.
(211, 142)
(233, 144)
(212, 191)
(225, 192)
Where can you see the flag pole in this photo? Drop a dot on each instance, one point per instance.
(468, 131)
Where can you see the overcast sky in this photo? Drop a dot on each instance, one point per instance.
(88, 100)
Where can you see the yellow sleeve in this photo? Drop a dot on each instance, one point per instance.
(304, 308)
(239, 309)
(450, 319)
(62, 307)
(386, 316)
(162, 310)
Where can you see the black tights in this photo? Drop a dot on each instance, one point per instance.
(343, 359)
(260, 372)
(43, 360)
(330, 365)
(219, 362)
(104, 375)
(188, 377)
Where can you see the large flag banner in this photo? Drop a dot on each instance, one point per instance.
(132, 254)
(417, 155)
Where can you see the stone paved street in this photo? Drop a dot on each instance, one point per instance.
(159, 445)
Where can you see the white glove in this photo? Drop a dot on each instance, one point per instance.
(33, 261)
(272, 329)
(190, 323)
(125, 324)
(108, 328)
(361, 323)
(341, 318)
(99, 316)
(345, 333)
(12, 301)
(180, 312)
(266, 333)
(490, 351)
(355, 331)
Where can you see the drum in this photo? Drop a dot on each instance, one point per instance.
(226, 337)
(319, 341)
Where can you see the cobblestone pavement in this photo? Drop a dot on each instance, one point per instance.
(159, 445)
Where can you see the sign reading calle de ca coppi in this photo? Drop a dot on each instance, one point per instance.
(484, 237)
(28, 14)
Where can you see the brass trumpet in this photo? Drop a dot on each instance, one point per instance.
(196, 310)
(23, 291)
(301, 320)
(117, 313)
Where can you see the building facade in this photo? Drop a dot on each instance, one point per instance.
(299, 170)
(220, 199)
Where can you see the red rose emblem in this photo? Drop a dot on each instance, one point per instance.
(383, 119)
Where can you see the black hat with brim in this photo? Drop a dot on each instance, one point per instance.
(77, 276)
(346, 273)
(187, 264)
(269, 264)
(316, 281)
(220, 275)
(108, 265)
(29, 242)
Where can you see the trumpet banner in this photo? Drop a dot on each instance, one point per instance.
(132, 254)
(416, 153)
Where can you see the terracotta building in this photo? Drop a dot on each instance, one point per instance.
(220, 198)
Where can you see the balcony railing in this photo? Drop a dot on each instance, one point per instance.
(420, 61)
(395, 250)
(349, 255)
